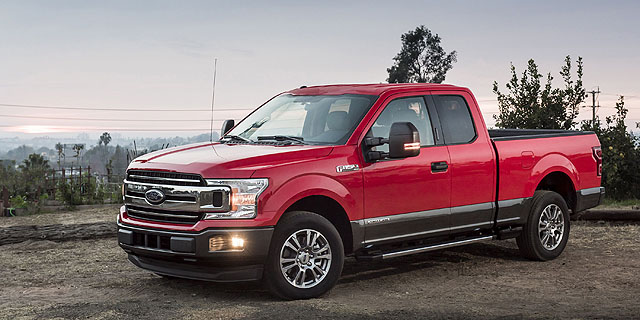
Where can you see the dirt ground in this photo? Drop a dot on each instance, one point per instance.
(596, 277)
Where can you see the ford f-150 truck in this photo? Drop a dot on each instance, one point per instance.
(373, 171)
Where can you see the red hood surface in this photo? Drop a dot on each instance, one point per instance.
(219, 160)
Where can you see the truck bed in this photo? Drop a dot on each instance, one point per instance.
(530, 155)
(520, 134)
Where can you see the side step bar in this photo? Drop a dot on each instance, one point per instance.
(404, 252)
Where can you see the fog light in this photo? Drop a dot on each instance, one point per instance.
(237, 243)
(216, 243)
(223, 243)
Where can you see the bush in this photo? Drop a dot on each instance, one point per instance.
(18, 202)
(620, 153)
(69, 193)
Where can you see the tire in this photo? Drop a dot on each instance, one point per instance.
(546, 232)
(306, 271)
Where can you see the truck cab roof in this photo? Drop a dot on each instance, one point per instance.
(369, 89)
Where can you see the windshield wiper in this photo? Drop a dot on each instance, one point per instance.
(283, 138)
(234, 137)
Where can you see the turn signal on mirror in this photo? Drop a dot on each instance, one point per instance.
(412, 146)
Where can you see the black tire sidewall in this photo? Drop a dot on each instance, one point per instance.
(545, 199)
(295, 221)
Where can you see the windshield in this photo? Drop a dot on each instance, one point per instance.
(309, 119)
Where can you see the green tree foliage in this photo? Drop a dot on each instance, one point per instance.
(19, 153)
(60, 151)
(34, 171)
(421, 59)
(9, 176)
(105, 138)
(531, 105)
(621, 164)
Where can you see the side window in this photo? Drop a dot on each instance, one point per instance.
(455, 119)
(412, 110)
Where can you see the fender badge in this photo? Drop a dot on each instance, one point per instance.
(347, 168)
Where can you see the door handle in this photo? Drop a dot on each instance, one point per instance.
(441, 166)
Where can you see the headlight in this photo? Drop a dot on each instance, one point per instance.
(243, 199)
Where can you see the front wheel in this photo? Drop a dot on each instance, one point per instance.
(546, 232)
(305, 258)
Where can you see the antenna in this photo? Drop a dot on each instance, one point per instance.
(213, 95)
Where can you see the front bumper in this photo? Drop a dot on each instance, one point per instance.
(186, 254)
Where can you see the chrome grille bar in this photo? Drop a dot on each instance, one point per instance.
(136, 211)
(165, 178)
(162, 179)
(186, 196)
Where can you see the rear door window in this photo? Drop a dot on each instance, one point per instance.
(455, 119)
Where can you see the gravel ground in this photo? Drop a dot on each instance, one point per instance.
(596, 277)
(106, 213)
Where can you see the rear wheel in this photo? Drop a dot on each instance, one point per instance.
(546, 231)
(305, 258)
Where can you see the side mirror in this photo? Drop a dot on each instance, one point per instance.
(404, 140)
(226, 126)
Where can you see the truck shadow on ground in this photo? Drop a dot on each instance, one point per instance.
(355, 271)
(367, 270)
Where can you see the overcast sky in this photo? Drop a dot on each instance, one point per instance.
(159, 54)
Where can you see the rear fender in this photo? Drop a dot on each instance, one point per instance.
(551, 163)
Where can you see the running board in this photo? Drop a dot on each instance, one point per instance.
(414, 250)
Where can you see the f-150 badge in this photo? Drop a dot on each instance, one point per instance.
(347, 168)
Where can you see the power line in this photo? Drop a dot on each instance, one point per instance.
(114, 109)
(618, 95)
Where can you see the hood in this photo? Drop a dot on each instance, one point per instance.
(219, 160)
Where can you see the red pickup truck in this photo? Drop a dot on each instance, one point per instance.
(373, 171)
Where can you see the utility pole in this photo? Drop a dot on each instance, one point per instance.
(593, 106)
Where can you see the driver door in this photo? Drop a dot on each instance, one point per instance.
(407, 198)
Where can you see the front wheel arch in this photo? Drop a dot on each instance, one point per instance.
(291, 224)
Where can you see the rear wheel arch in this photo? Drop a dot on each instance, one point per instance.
(562, 184)
(542, 222)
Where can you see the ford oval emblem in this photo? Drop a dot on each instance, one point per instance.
(154, 196)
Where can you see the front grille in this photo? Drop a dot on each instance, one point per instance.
(186, 196)
(165, 178)
(163, 215)
(169, 197)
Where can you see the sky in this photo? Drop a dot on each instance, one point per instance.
(152, 56)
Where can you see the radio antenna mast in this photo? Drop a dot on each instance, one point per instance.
(213, 95)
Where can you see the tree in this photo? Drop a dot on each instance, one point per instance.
(78, 149)
(9, 177)
(20, 153)
(34, 171)
(60, 150)
(421, 58)
(529, 105)
(621, 165)
(105, 138)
